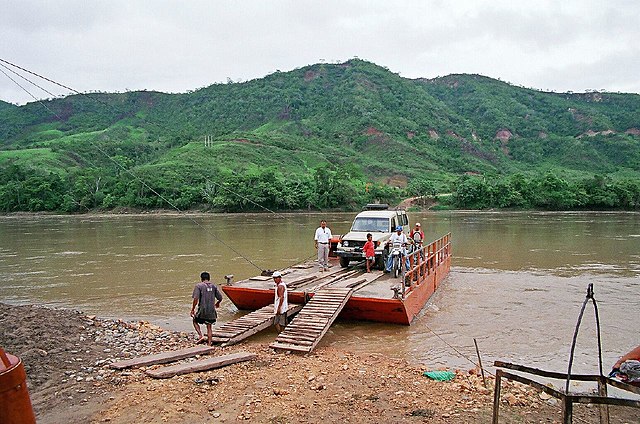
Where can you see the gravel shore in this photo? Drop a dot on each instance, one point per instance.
(67, 355)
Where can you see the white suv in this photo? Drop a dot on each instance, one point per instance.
(378, 220)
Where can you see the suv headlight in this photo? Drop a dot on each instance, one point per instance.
(345, 243)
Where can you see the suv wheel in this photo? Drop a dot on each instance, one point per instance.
(382, 259)
(381, 262)
(344, 262)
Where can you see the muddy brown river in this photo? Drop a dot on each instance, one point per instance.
(517, 283)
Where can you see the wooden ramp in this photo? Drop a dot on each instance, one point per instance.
(313, 321)
(239, 329)
(201, 365)
(163, 358)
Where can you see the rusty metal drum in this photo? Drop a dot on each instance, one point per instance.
(15, 404)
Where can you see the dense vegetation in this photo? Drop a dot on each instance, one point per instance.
(323, 136)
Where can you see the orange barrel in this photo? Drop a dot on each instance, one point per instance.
(333, 246)
(15, 404)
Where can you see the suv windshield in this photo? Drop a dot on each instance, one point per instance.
(380, 225)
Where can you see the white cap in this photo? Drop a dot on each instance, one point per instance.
(276, 274)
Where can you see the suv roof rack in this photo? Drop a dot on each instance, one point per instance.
(375, 207)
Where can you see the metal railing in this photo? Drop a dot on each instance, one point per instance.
(424, 262)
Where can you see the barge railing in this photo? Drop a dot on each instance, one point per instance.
(424, 262)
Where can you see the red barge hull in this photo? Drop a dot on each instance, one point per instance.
(420, 282)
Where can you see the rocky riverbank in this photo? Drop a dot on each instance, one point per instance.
(67, 356)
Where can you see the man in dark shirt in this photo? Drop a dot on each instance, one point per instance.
(205, 294)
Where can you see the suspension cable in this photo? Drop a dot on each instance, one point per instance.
(462, 355)
(42, 77)
(27, 91)
(119, 165)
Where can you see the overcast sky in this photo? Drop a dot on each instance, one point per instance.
(175, 46)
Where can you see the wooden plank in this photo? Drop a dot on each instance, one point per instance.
(296, 340)
(233, 327)
(304, 331)
(295, 284)
(250, 324)
(249, 332)
(290, 340)
(298, 336)
(356, 283)
(163, 358)
(201, 365)
(286, 346)
(333, 280)
(324, 295)
(325, 302)
(312, 323)
(317, 315)
(323, 309)
(301, 329)
(299, 339)
(260, 278)
(304, 326)
(333, 300)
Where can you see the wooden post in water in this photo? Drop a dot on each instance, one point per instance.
(484, 381)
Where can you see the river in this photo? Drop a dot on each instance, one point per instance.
(517, 283)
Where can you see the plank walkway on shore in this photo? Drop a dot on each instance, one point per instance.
(163, 358)
(201, 365)
(239, 329)
(310, 325)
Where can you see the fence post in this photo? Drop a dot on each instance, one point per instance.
(496, 397)
(567, 410)
(604, 409)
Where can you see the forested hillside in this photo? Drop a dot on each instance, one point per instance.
(323, 136)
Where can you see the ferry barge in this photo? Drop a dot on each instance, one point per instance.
(370, 296)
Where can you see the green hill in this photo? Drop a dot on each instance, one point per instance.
(321, 136)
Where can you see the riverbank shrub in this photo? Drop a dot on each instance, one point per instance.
(546, 191)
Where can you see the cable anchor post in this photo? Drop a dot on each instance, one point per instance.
(589, 296)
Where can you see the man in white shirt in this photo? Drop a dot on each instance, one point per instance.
(322, 240)
(397, 239)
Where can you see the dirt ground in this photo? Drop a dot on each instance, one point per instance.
(67, 355)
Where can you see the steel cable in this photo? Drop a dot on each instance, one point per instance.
(119, 165)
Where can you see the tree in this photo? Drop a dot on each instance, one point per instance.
(556, 193)
(422, 189)
(471, 192)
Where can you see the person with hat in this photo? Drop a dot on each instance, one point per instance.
(417, 235)
(205, 294)
(397, 239)
(280, 302)
(322, 239)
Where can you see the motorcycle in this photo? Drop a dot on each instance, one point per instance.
(396, 254)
